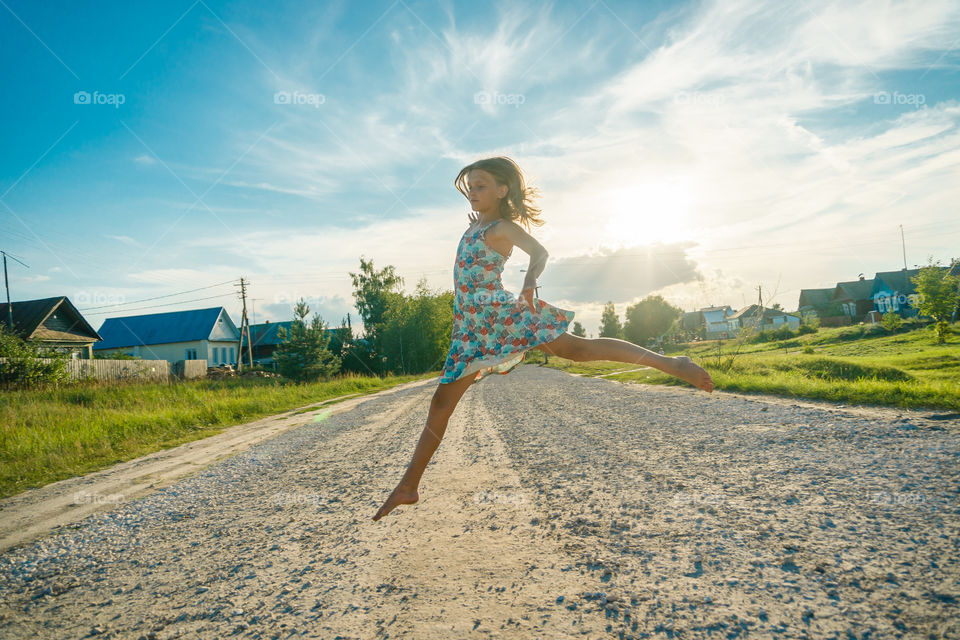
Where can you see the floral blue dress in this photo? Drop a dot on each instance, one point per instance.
(491, 332)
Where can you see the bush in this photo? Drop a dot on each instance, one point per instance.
(23, 367)
(807, 328)
(768, 335)
(808, 349)
(891, 321)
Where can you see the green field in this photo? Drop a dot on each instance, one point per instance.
(848, 364)
(48, 435)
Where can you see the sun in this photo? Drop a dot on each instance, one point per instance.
(647, 213)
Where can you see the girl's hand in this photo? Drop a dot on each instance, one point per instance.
(474, 217)
(526, 295)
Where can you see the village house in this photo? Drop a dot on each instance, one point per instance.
(854, 300)
(709, 323)
(815, 301)
(770, 319)
(54, 322)
(894, 291)
(195, 334)
(264, 339)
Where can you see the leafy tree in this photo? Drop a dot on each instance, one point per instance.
(610, 326)
(809, 319)
(650, 318)
(891, 321)
(372, 291)
(416, 330)
(302, 354)
(938, 292)
(578, 329)
(24, 361)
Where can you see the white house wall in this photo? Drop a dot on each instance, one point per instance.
(224, 329)
(171, 351)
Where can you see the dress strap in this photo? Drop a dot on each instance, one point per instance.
(488, 225)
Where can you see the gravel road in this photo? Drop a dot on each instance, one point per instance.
(556, 507)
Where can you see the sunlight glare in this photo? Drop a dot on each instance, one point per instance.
(647, 213)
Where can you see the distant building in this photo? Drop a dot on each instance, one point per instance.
(54, 322)
(715, 323)
(815, 301)
(709, 322)
(196, 334)
(264, 339)
(893, 291)
(854, 300)
(769, 319)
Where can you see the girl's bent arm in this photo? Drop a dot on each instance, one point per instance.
(538, 254)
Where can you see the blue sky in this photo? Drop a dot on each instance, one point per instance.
(693, 150)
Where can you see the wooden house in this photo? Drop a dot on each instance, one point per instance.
(815, 301)
(54, 322)
(854, 301)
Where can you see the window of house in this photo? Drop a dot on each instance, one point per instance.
(191, 354)
(232, 361)
(216, 355)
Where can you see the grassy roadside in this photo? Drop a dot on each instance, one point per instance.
(48, 435)
(906, 370)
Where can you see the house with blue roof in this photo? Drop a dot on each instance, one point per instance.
(195, 334)
(264, 339)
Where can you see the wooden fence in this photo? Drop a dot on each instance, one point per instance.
(148, 370)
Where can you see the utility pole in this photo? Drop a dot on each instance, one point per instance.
(760, 299)
(244, 327)
(6, 282)
(904, 245)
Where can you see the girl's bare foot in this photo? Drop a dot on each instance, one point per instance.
(400, 495)
(687, 369)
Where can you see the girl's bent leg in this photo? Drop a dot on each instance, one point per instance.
(444, 401)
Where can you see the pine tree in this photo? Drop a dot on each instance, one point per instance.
(302, 354)
(610, 326)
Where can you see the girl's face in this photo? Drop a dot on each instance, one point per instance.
(484, 192)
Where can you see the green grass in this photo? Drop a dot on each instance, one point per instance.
(855, 365)
(56, 433)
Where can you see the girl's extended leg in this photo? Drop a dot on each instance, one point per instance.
(444, 401)
(580, 349)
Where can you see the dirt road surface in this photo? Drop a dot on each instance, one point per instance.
(556, 507)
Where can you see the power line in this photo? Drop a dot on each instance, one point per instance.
(169, 304)
(169, 295)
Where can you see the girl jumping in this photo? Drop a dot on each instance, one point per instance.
(492, 330)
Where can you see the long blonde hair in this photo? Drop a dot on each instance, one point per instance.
(518, 203)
